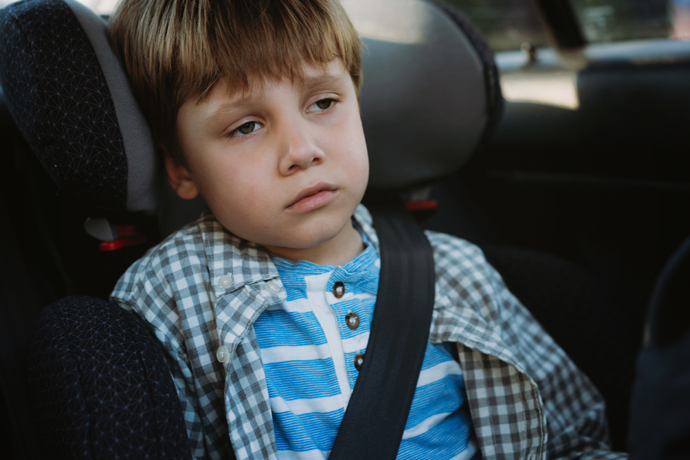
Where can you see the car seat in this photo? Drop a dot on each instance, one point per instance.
(430, 100)
(660, 411)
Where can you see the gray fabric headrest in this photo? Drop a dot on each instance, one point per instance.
(424, 103)
(142, 168)
(424, 100)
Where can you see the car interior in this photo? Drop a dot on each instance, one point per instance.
(542, 131)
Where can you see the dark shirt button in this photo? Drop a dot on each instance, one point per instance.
(338, 289)
(352, 321)
(359, 360)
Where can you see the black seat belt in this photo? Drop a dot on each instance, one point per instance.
(376, 415)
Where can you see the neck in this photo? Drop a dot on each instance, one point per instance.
(337, 251)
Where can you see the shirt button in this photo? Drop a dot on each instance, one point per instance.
(352, 320)
(359, 360)
(338, 289)
(273, 287)
(224, 281)
(222, 354)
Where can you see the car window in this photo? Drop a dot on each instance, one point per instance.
(617, 20)
(506, 24)
(99, 6)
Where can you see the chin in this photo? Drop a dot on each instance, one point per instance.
(316, 234)
(313, 240)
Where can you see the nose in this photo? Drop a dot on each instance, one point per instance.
(299, 150)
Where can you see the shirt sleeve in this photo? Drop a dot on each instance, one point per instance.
(144, 290)
(574, 409)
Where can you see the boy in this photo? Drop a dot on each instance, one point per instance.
(263, 305)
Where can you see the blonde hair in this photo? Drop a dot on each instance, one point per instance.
(174, 50)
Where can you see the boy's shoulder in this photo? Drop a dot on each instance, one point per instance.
(178, 251)
(453, 247)
(463, 275)
(464, 278)
(189, 240)
(455, 257)
(448, 249)
(201, 251)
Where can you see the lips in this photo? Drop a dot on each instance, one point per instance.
(313, 197)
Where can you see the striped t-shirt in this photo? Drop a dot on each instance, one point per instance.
(309, 345)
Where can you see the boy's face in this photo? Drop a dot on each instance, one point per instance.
(284, 164)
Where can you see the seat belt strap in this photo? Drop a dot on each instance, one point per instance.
(376, 415)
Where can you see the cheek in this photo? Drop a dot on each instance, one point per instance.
(357, 157)
(347, 135)
(238, 193)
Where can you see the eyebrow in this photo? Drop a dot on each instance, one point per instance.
(321, 79)
(239, 97)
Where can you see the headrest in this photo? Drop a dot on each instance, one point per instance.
(430, 95)
(430, 89)
(71, 100)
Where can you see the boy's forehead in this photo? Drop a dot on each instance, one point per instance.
(308, 75)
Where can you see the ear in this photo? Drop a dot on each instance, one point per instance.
(180, 179)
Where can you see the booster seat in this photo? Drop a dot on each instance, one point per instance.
(430, 100)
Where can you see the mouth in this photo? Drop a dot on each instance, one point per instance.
(313, 197)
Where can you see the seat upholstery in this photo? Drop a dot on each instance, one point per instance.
(660, 411)
(59, 99)
(101, 386)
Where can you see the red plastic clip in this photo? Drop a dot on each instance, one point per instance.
(421, 205)
(127, 235)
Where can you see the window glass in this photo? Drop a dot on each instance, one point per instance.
(616, 20)
(506, 24)
(680, 12)
(99, 6)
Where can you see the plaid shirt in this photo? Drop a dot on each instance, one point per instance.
(202, 289)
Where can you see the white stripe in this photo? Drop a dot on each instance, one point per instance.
(306, 406)
(467, 453)
(425, 425)
(437, 372)
(308, 455)
(316, 286)
(293, 306)
(350, 296)
(304, 306)
(364, 296)
(356, 343)
(330, 298)
(296, 353)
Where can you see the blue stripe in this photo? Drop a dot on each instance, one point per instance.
(308, 431)
(360, 274)
(278, 328)
(442, 442)
(363, 308)
(444, 395)
(295, 287)
(292, 276)
(352, 372)
(435, 354)
(293, 380)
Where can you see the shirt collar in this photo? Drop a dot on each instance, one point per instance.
(234, 262)
(362, 271)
